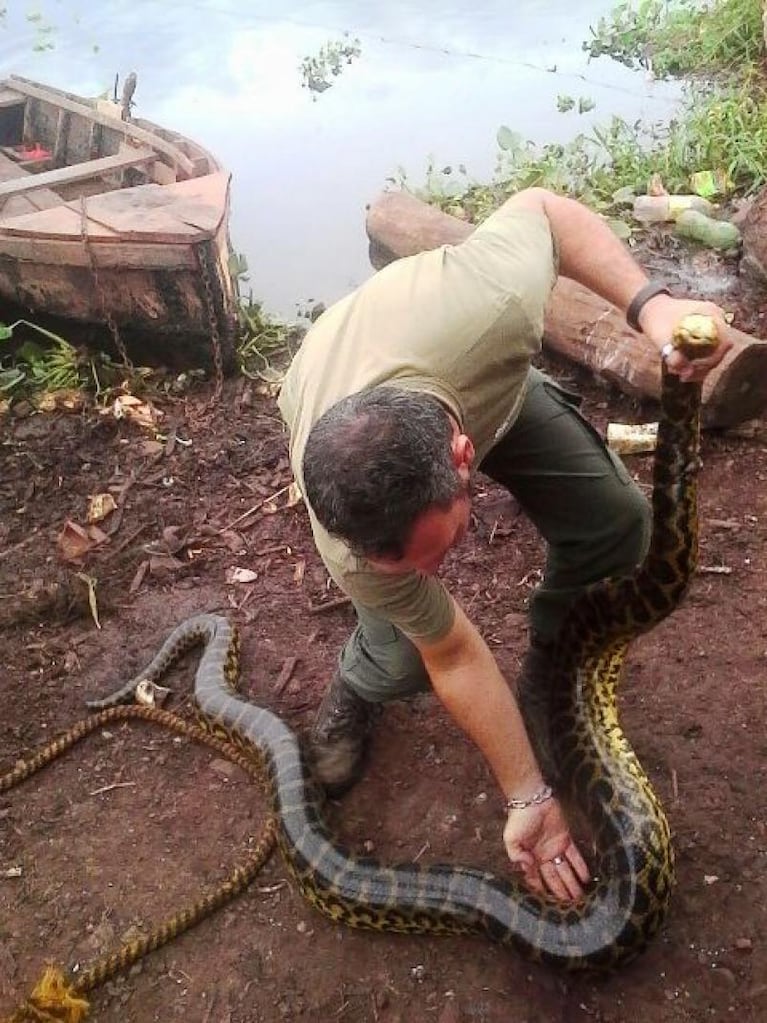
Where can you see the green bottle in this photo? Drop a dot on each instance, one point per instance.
(717, 234)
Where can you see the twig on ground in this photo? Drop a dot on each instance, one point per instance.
(253, 510)
(329, 605)
(285, 675)
(115, 785)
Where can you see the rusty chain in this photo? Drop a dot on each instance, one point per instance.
(204, 263)
(110, 320)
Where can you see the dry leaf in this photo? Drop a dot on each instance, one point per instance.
(99, 506)
(294, 495)
(74, 541)
(138, 578)
(240, 575)
(126, 406)
(90, 582)
(60, 401)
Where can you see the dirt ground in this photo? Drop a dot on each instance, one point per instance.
(130, 825)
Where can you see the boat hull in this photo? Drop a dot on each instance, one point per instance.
(133, 240)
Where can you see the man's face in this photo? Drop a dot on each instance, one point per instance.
(436, 532)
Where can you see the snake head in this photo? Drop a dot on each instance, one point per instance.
(695, 336)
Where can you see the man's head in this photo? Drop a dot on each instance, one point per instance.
(387, 470)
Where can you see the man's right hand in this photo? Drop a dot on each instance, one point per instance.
(539, 844)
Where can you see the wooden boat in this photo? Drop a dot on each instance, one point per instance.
(114, 221)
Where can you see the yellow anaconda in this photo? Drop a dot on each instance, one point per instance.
(597, 767)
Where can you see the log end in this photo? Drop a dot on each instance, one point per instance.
(736, 390)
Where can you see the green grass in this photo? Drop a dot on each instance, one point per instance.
(681, 39)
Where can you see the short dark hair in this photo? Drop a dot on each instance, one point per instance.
(374, 462)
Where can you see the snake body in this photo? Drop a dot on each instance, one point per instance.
(598, 770)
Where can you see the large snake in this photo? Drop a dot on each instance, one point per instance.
(597, 768)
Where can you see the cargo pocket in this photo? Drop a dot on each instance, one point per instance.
(571, 401)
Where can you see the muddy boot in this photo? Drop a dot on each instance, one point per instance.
(338, 740)
(534, 692)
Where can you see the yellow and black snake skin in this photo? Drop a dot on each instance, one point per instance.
(597, 768)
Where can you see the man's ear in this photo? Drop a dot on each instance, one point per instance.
(463, 453)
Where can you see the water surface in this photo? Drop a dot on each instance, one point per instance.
(434, 82)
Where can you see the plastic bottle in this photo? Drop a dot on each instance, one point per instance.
(717, 234)
(650, 209)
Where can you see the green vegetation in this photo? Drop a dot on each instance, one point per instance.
(44, 31)
(265, 343)
(721, 127)
(317, 72)
(31, 368)
(681, 39)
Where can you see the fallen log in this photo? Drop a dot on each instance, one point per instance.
(580, 325)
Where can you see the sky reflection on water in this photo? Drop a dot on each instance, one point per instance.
(435, 80)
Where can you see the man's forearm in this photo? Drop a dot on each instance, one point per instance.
(589, 252)
(470, 686)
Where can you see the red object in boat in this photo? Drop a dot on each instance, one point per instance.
(35, 152)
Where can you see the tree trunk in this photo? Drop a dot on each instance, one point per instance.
(579, 324)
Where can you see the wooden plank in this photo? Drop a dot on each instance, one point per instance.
(120, 214)
(202, 202)
(10, 98)
(62, 137)
(107, 251)
(130, 131)
(9, 169)
(180, 213)
(64, 221)
(191, 210)
(78, 171)
(138, 219)
(20, 205)
(37, 199)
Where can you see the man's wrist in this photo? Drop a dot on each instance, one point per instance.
(645, 294)
(540, 795)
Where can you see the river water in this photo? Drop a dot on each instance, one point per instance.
(434, 82)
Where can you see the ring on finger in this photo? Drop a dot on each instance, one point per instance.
(558, 861)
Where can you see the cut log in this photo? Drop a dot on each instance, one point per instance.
(580, 325)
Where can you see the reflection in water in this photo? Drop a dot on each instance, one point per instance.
(434, 80)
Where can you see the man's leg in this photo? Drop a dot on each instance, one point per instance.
(377, 664)
(585, 505)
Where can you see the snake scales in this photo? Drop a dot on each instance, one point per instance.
(598, 769)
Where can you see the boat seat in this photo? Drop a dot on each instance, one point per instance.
(38, 198)
(75, 172)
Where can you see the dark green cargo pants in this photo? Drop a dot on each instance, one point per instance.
(580, 497)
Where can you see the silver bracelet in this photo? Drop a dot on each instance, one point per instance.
(540, 797)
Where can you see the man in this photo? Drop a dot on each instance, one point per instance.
(397, 394)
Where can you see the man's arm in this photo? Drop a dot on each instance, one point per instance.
(467, 681)
(591, 254)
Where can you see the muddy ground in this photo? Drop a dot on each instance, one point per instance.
(125, 829)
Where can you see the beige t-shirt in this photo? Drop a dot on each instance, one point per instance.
(461, 323)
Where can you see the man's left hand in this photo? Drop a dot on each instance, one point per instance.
(661, 316)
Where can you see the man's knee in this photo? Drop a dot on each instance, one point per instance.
(383, 671)
(631, 528)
